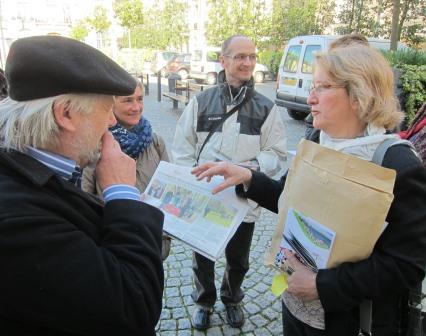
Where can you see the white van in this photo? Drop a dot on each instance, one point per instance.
(205, 65)
(295, 71)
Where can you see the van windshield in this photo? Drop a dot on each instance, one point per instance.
(292, 58)
(308, 59)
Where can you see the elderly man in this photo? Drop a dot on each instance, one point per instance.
(71, 265)
(230, 122)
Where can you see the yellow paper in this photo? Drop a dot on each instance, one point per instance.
(279, 284)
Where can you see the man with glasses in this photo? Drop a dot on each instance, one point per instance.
(245, 128)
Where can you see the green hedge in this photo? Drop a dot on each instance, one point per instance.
(414, 86)
(271, 59)
(412, 63)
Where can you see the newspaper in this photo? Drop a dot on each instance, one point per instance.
(310, 240)
(205, 222)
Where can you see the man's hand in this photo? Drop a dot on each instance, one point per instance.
(302, 282)
(114, 167)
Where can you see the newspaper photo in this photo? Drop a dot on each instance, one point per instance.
(203, 221)
(310, 240)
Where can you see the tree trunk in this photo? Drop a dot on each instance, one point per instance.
(395, 24)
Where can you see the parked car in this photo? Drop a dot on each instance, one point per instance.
(159, 61)
(296, 67)
(205, 65)
(179, 64)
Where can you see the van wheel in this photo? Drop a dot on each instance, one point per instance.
(211, 78)
(297, 115)
(259, 77)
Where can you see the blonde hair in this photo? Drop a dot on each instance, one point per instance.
(368, 79)
(32, 123)
(347, 40)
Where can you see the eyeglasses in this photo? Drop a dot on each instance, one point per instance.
(242, 57)
(321, 88)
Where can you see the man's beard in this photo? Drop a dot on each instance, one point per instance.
(86, 156)
(91, 158)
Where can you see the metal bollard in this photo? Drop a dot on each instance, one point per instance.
(159, 86)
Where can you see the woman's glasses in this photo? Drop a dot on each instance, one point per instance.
(321, 88)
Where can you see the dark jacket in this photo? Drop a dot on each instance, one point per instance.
(398, 260)
(69, 265)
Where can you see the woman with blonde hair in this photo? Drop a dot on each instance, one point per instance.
(353, 103)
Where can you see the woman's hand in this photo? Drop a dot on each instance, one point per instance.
(233, 174)
(302, 282)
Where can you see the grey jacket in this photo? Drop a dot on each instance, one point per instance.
(255, 133)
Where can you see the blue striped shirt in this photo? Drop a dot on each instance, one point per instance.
(64, 168)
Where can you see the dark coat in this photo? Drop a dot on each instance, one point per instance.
(71, 266)
(398, 260)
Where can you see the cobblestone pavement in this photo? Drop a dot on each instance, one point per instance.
(262, 310)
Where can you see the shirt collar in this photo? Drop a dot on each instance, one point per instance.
(61, 165)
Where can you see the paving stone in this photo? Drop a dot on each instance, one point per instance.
(184, 323)
(271, 314)
(168, 325)
(168, 333)
(186, 290)
(276, 327)
(252, 308)
(179, 313)
(171, 292)
(215, 331)
(228, 330)
(262, 332)
(174, 302)
(259, 320)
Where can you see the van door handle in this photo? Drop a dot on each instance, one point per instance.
(300, 82)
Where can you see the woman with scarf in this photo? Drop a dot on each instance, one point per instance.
(136, 138)
(352, 103)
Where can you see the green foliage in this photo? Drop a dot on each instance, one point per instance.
(129, 12)
(163, 27)
(99, 21)
(374, 19)
(299, 17)
(79, 31)
(230, 17)
(412, 63)
(271, 59)
(405, 56)
(414, 85)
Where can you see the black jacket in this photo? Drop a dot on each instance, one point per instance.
(69, 265)
(398, 260)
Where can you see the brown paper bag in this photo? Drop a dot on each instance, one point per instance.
(349, 195)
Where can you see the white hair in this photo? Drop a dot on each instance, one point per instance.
(32, 123)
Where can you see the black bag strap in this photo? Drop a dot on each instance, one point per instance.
(366, 306)
(217, 125)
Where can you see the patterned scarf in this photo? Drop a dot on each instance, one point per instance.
(135, 140)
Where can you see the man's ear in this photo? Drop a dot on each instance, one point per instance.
(64, 117)
(222, 60)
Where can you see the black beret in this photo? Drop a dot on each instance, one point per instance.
(46, 66)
